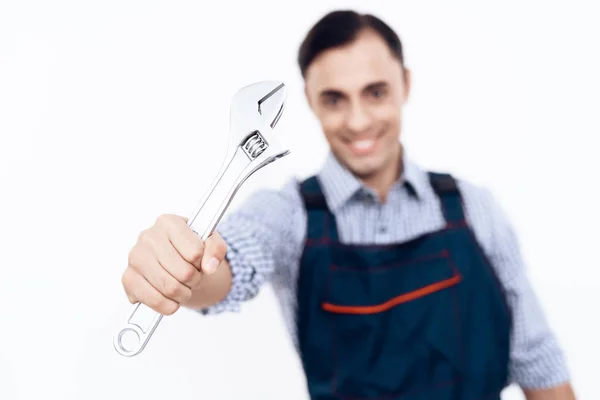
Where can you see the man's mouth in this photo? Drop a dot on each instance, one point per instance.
(361, 147)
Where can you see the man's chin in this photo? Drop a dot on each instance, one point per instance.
(363, 168)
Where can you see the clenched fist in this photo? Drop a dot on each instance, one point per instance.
(169, 262)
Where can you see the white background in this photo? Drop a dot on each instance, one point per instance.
(114, 112)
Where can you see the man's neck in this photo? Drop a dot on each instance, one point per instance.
(383, 180)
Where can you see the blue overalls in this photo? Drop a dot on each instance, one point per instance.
(421, 320)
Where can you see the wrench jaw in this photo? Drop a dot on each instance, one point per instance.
(264, 145)
(255, 111)
(255, 104)
(254, 108)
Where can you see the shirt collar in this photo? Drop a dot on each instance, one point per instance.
(340, 185)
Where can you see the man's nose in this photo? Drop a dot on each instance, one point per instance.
(358, 119)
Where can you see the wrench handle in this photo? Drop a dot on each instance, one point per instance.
(133, 337)
(219, 196)
(140, 326)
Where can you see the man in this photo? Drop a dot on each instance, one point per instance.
(395, 283)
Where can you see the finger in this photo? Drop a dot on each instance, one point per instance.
(128, 282)
(171, 261)
(215, 250)
(147, 265)
(142, 291)
(161, 246)
(186, 242)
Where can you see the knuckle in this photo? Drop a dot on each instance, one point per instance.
(188, 274)
(165, 220)
(140, 254)
(162, 219)
(127, 279)
(186, 296)
(171, 288)
(143, 234)
(148, 299)
(133, 256)
(156, 302)
(196, 251)
(146, 238)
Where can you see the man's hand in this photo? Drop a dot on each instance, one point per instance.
(563, 392)
(169, 262)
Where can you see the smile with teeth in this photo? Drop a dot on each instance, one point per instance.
(362, 146)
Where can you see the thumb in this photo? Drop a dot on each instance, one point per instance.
(215, 251)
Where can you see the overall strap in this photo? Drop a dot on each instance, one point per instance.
(446, 188)
(322, 226)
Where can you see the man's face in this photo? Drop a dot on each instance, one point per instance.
(357, 92)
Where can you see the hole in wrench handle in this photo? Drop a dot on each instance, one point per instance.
(133, 337)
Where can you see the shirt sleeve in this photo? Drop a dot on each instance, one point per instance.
(263, 235)
(537, 360)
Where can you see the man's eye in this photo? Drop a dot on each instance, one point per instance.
(332, 100)
(377, 93)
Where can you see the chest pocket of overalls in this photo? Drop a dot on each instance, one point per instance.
(394, 327)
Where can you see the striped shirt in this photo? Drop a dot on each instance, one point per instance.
(265, 239)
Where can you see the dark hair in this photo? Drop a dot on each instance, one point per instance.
(341, 27)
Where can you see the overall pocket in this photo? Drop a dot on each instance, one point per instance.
(395, 327)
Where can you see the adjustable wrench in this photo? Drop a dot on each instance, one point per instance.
(253, 143)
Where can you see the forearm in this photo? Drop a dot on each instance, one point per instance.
(265, 233)
(212, 289)
(562, 392)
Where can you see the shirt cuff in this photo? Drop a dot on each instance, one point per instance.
(543, 372)
(248, 260)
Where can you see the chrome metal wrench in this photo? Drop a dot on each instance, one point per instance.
(253, 143)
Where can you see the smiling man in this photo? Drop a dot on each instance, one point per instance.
(395, 282)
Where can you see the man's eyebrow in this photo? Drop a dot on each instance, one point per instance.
(376, 85)
(339, 93)
(331, 93)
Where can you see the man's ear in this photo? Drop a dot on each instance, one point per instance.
(407, 82)
(308, 100)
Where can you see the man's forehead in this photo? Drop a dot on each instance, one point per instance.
(353, 66)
